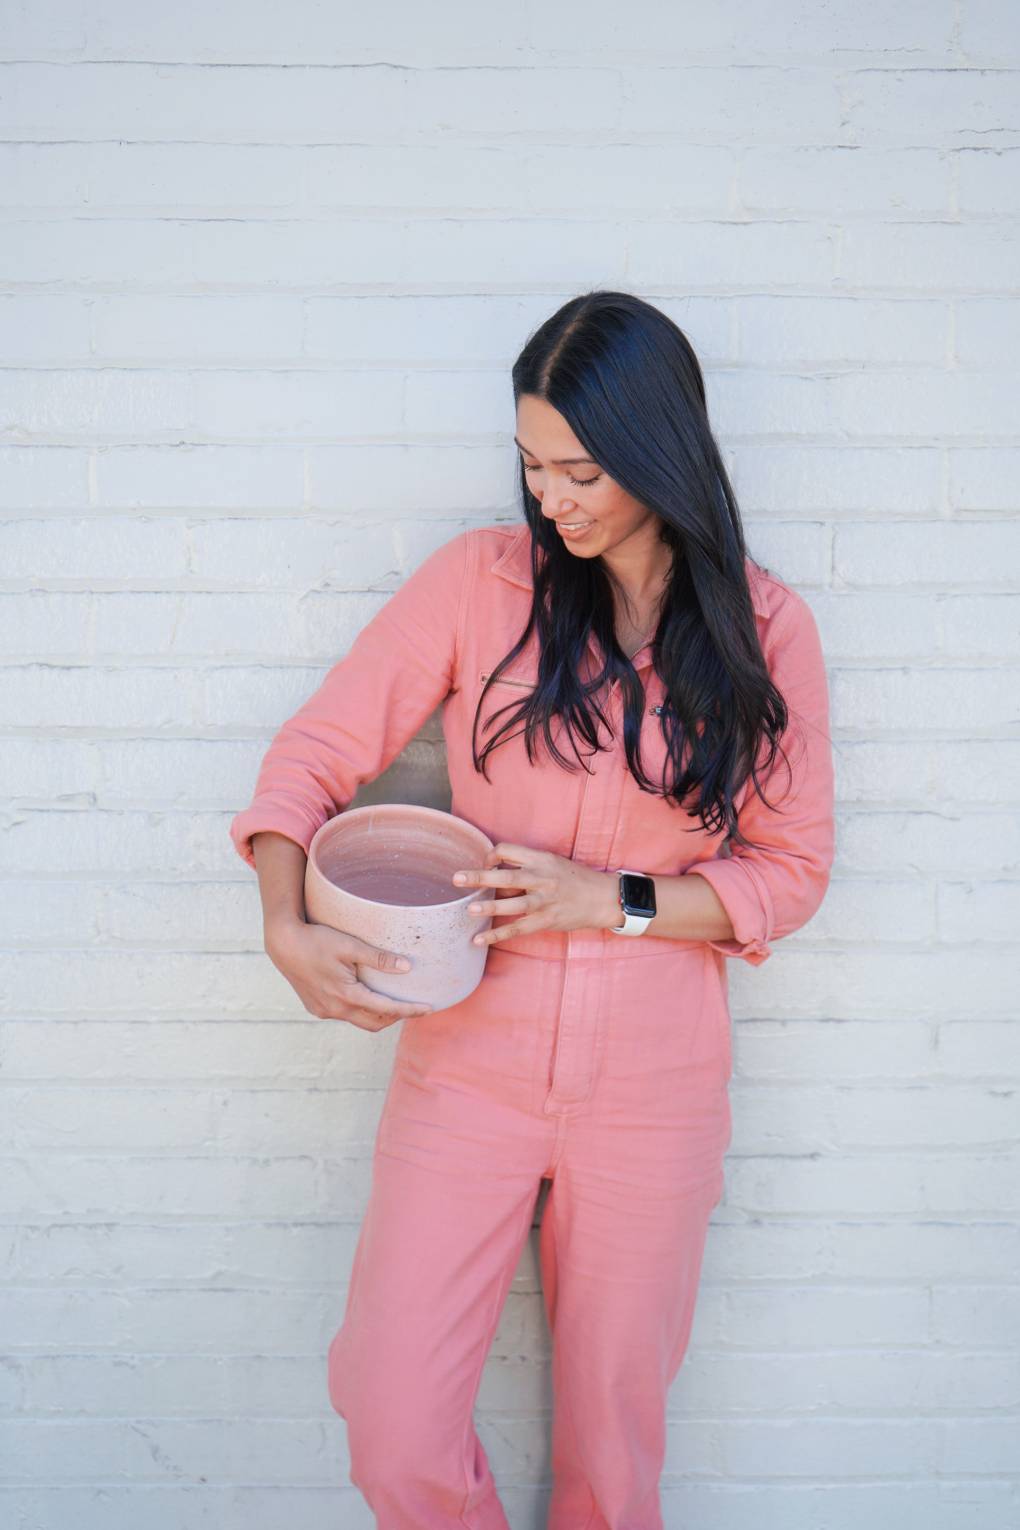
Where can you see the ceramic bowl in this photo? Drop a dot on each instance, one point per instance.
(385, 873)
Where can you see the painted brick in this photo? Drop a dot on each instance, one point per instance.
(262, 286)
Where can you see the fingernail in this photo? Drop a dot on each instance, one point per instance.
(460, 877)
(403, 965)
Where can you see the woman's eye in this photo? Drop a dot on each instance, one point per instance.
(580, 483)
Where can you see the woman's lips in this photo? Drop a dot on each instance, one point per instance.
(573, 536)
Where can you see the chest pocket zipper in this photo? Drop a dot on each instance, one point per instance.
(528, 685)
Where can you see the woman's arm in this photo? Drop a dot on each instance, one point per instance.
(368, 707)
(280, 864)
(686, 909)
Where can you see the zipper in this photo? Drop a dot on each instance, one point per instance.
(529, 685)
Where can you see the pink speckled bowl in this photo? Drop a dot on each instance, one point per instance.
(385, 874)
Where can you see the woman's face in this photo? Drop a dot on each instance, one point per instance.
(577, 492)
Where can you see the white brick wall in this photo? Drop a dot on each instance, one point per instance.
(264, 270)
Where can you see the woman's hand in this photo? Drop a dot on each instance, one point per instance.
(548, 891)
(320, 964)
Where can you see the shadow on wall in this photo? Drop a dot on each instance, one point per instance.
(417, 775)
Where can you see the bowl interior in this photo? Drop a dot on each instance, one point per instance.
(395, 855)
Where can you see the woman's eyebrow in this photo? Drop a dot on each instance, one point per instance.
(558, 461)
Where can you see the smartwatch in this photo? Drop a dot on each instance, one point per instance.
(637, 900)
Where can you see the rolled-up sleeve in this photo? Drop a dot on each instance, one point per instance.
(369, 706)
(772, 889)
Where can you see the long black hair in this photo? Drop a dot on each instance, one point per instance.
(627, 381)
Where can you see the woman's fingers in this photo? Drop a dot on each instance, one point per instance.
(492, 877)
(501, 906)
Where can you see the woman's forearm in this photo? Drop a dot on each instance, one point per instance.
(687, 908)
(280, 863)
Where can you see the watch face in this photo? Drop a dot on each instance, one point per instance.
(637, 894)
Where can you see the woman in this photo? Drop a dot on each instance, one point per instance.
(622, 687)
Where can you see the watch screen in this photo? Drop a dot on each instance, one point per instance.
(638, 894)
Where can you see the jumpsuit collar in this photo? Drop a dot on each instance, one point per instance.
(514, 565)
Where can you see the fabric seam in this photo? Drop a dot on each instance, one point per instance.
(458, 637)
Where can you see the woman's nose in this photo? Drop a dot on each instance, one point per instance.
(556, 505)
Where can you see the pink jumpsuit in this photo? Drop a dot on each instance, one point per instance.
(594, 1060)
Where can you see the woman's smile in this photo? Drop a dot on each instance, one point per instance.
(573, 530)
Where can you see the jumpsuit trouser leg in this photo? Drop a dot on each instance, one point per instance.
(440, 1242)
(609, 1077)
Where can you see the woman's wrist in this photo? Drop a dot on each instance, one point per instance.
(279, 927)
(281, 865)
(611, 910)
